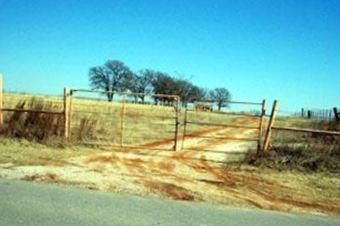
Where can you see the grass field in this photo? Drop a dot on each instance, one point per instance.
(98, 121)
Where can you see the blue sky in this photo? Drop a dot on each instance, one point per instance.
(288, 50)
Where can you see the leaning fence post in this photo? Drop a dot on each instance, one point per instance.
(66, 115)
(270, 125)
(263, 112)
(1, 100)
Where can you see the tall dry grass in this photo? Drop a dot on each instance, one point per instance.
(36, 126)
(304, 152)
(32, 125)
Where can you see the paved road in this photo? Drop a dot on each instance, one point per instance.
(27, 203)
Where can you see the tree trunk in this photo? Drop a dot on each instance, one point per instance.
(109, 97)
(219, 106)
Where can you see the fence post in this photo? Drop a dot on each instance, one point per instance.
(263, 112)
(1, 101)
(176, 123)
(270, 125)
(336, 114)
(70, 100)
(66, 114)
(309, 114)
(184, 126)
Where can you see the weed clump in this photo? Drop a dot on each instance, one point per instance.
(308, 158)
(39, 126)
(33, 125)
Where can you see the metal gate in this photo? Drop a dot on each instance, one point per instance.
(205, 128)
(129, 120)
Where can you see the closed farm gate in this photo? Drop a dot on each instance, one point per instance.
(130, 120)
(209, 130)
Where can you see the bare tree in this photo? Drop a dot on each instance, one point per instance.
(142, 83)
(221, 96)
(164, 84)
(187, 91)
(112, 77)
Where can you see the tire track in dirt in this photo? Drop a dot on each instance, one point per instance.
(260, 197)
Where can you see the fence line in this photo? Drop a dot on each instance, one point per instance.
(123, 125)
(67, 111)
(296, 129)
(203, 122)
(15, 109)
(271, 127)
(320, 114)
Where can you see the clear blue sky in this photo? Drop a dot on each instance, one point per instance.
(289, 50)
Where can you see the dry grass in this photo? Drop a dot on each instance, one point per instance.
(32, 125)
(304, 152)
(97, 121)
(22, 152)
(183, 176)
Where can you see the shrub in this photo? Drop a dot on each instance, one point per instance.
(305, 158)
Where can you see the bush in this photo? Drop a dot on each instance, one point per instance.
(306, 158)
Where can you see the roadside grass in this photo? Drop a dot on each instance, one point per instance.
(21, 152)
(304, 152)
(317, 186)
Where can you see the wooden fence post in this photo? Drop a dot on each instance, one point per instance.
(69, 103)
(66, 115)
(1, 100)
(309, 114)
(263, 112)
(122, 118)
(185, 127)
(270, 125)
(176, 123)
(336, 114)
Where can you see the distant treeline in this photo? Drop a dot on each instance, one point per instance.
(115, 76)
